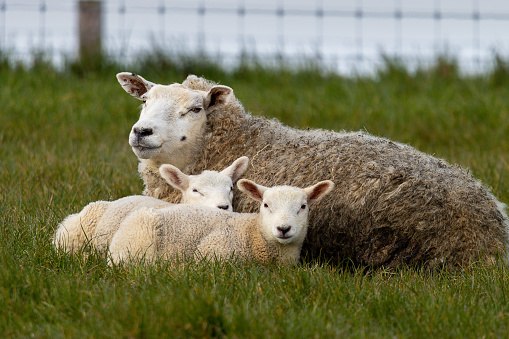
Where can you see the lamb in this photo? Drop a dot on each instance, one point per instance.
(392, 205)
(182, 232)
(98, 221)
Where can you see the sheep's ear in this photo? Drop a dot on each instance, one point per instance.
(134, 84)
(318, 191)
(237, 169)
(217, 96)
(252, 189)
(174, 177)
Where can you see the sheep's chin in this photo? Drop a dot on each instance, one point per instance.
(286, 240)
(146, 152)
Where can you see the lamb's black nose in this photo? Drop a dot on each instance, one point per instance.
(283, 229)
(223, 207)
(143, 132)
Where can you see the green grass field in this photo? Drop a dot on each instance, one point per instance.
(64, 143)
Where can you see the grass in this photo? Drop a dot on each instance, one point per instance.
(63, 143)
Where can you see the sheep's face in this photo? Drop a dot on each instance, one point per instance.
(172, 120)
(284, 209)
(210, 188)
(284, 214)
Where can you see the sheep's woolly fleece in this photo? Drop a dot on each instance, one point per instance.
(392, 205)
(96, 224)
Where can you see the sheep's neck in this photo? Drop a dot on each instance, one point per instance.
(155, 185)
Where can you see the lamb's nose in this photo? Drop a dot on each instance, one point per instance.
(223, 207)
(143, 132)
(283, 229)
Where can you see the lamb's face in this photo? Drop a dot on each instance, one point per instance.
(172, 122)
(284, 209)
(284, 214)
(210, 188)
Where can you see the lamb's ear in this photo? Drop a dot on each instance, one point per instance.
(237, 169)
(217, 96)
(252, 189)
(319, 190)
(174, 177)
(134, 84)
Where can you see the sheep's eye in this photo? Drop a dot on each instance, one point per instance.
(231, 189)
(195, 109)
(303, 207)
(265, 205)
(195, 190)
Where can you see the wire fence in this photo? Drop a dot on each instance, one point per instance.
(347, 35)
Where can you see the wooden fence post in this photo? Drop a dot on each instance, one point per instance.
(90, 29)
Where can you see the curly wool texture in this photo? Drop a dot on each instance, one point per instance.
(392, 205)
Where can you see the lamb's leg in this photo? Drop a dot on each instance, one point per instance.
(76, 230)
(136, 237)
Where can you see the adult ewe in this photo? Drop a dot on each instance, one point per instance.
(392, 204)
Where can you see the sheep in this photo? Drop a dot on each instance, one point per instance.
(98, 221)
(180, 232)
(392, 206)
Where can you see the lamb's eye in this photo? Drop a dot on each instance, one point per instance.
(265, 205)
(303, 207)
(231, 189)
(195, 109)
(195, 190)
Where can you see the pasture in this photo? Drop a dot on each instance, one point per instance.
(64, 143)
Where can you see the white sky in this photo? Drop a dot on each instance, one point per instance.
(338, 38)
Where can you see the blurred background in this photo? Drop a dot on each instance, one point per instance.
(349, 36)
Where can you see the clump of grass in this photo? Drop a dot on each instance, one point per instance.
(499, 75)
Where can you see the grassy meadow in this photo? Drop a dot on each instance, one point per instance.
(64, 143)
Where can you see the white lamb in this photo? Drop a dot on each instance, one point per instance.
(98, 221)
(275, 234)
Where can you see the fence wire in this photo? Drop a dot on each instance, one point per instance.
(345, 35)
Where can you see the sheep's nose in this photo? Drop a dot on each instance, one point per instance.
(223, 207)
(283, 229)
(143, 132)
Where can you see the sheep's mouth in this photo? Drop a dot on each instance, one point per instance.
(145, 148)
(145, 152)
